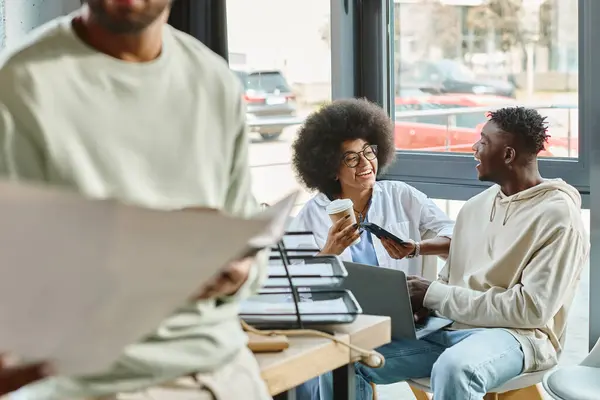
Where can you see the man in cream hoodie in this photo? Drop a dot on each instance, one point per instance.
(114, 103)
(515, 262)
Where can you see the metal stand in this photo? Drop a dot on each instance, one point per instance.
(286, 262)
(344, 378)
(287, 395)
(344, 382)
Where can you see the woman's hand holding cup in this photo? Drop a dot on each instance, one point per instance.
(344, 231)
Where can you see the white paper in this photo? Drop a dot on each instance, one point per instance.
(306, 241)
(322, 274)
(268, 311)
(276, 216)
(80, 279)
(299, 270)
(299, 242)
(335, 306)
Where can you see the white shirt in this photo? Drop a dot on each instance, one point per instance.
(398, 208)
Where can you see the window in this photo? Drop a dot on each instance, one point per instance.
(281, 51)
(452, 61)
(265, 81)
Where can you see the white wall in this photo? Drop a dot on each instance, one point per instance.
(283, 34)
(21, 16)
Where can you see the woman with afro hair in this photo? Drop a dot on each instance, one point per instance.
(338, 153)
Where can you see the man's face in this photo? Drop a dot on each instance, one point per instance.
(127, 16)
(493, 152)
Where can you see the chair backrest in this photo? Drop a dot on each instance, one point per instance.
(593, 359)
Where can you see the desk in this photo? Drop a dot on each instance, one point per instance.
(309, 357)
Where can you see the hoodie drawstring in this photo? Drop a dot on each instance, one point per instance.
(493, 212)
(506, 212)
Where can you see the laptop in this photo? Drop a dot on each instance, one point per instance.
(384, 291)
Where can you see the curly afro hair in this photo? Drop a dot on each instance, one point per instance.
(526, 124)
(317, 151)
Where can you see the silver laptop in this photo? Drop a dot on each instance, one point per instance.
(383, 291)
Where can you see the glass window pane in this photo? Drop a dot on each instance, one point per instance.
(482, 55)
(266, 81)
(284, 65)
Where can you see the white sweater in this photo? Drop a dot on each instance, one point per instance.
(515, 263)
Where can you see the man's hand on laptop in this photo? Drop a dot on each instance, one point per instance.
(228, 281)
(421, 315)
(417, 288)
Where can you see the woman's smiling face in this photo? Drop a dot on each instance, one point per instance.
(358, 166)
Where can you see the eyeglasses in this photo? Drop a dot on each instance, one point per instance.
(352, 158)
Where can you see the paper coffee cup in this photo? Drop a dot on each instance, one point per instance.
(339, 208)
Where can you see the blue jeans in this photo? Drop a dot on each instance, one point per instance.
(462, 365)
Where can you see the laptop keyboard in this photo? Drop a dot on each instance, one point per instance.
(419, 327)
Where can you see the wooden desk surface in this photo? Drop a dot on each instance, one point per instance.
(308, 357)
(367, 332)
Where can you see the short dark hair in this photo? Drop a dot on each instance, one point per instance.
(317, 151)
(526, 124)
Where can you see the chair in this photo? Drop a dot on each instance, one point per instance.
(523, 387)
(577, 382)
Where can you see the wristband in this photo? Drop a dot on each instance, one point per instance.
(417, 250)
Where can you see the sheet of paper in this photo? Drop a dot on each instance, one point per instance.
(312, 269)
(81, 279)
(336, 306)
(306, 241)
(303, 274)
(270, 311)
(277, 216)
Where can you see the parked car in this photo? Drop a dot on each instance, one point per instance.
(450, 76)
(271, 104)
(425, 123)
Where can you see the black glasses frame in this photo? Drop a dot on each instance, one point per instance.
(372, 147)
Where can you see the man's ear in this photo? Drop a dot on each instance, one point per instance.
(510, 154)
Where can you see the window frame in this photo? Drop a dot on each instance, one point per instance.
(435, 173)
(589, 120)
(427, 170)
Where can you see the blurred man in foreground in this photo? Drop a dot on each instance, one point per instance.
(114, 103)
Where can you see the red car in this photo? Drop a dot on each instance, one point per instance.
(424, 123)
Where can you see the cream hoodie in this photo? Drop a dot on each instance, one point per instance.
(515, 263)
